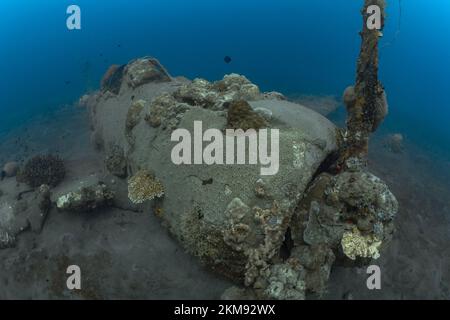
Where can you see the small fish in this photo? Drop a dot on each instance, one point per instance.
(227, 59)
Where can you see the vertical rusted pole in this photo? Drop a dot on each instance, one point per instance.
(366, 101)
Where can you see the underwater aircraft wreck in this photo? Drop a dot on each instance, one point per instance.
(276, 236)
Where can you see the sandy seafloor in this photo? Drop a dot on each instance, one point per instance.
(129, 255)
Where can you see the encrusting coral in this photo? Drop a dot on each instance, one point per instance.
(133, 118)
(116, 162)
(86, 199)
(133, 114)
(145, 70)
(167, 110)
(214, 95)
(354, 245)
(348, 216)
(143, 186)
(286, 281)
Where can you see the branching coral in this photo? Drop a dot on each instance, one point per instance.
(39, 170)
(143, 186)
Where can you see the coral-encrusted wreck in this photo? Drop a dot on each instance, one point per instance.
(276, 236)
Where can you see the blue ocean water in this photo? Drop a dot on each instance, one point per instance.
(292, 46)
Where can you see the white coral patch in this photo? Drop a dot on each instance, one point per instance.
(355, 245)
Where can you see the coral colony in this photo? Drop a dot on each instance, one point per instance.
(143, 186)
(39, 170)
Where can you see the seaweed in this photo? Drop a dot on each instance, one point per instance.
(242, 116)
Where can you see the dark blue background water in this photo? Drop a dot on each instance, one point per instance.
(292, 46)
